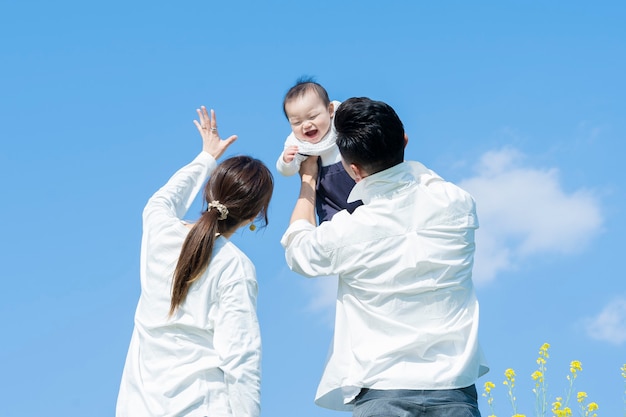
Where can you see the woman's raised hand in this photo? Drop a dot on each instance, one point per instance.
(211, 141)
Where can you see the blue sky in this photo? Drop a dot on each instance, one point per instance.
(521, 103)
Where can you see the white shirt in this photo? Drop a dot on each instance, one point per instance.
(205, 360)
(406, 312)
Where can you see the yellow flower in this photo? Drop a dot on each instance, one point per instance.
(537, 375)
(510, 374)
(623, 369)
(575, 366)
(489, 386)
(581, 397)
(565, 412)
(543, 354)
(592, 407)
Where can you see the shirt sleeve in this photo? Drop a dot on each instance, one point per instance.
(292, 168)
(238, 342)
(305, 252)
(288, 169)
(176, 196)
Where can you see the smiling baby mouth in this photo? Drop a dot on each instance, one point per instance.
(311, 133)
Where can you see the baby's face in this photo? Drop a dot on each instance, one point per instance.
(308, 116)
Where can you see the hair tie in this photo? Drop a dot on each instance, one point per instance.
(219, 207)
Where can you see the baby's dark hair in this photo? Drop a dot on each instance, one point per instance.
(303, 85)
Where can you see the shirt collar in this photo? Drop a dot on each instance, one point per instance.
(391, 179)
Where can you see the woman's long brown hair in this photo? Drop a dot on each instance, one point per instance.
(244, 185)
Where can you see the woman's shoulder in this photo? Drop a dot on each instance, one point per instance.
(229, 260)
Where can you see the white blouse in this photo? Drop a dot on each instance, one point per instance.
(206, 359)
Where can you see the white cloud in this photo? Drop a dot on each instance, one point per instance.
(610, 324)
(323, 291)
(525, 211)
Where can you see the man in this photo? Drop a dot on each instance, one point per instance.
(406, 325)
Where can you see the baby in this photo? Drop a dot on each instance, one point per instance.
(310, 114)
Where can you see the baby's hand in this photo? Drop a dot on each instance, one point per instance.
(290, 153)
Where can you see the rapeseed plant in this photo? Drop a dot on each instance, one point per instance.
(560, 410)
(560, 407)
(509, 374)
(539, 376)
(487, 394)
(586, 410)
(623, 369)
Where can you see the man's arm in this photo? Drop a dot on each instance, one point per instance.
(305, 206)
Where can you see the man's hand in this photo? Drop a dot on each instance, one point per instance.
(305, 206)
(309, 169)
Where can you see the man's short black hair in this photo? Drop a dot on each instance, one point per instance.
(369, 134)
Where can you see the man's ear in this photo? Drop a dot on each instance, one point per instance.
(406, 140)
(359, 173)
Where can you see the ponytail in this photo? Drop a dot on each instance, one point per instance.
(240, 189)
(194, 256)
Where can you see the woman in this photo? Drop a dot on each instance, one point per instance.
(196, 347)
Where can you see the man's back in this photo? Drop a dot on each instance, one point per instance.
(407, 316)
